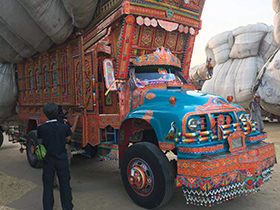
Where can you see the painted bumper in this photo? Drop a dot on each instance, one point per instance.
(214, 179)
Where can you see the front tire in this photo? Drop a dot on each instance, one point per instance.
(147, 175)
(31, 143)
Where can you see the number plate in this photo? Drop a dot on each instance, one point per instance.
(236, 141)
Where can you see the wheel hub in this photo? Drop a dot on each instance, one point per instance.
(140, 177)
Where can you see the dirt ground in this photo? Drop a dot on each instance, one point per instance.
(97, 184)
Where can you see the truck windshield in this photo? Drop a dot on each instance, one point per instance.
(144, 76)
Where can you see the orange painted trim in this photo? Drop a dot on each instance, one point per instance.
(148, 116)
(111, 146)
(256, 138)
(166, 146)
(201, 149)
(251, 159)
(150, 96)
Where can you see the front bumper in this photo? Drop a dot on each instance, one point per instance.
(214, 179)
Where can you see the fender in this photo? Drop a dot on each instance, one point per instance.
(143, 119)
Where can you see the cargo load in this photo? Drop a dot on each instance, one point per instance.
(238, 56)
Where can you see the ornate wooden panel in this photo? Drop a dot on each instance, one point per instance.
(66, 76)
(88, 81)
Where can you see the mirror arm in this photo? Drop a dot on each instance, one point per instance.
(112, 85)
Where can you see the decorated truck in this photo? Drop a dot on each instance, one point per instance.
(126, 75)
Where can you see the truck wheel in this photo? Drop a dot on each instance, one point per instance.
(1, 138)
(147, 175)
(31, 144)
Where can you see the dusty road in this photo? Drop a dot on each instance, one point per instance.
(98, 185)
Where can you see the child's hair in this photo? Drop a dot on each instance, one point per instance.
(50, 110)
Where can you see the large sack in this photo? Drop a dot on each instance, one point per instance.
(8, 53)
(199, 72)
(268, 45)
(277, 27)
(221, 45)
(17, 19)
(80, 11)
(8, 91)
(269, 88)
(247, 40)
(276, 5)
(18, 44)
(235, 78)
(218, 79)
(52, 18)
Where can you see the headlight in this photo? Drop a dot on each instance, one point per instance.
(243, 118)
(193, 124)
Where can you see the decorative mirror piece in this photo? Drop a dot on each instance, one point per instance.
(236, 141)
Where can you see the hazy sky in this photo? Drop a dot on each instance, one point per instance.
(225, 15)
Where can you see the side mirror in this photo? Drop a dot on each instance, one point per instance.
(109, 75)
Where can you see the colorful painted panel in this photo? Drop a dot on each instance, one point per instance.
(117, 34)
(161, 56)
(146, 36)
(78, 80)
(136, 35)
(65, 74)
(55, 74)
(168, 26)
(171, 40)
(46, 78)
(125, 48)
(181, 42)
(38, 81)
(250, 161)
(112, 120)
(88, 78)
(93, 135)
(188, 56)
(159, 38)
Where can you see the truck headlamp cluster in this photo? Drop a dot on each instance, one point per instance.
(193, 124)
(243, 118)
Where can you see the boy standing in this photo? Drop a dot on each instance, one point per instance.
(55, 135)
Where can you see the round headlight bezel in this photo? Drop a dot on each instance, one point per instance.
(242, 118)
(193, 125)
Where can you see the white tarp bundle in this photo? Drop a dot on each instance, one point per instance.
(252, 46)
(268, 44)
(80, 11)
(235, 77)
(276, 7)
(30, 26)
(247, 40)
(199, 72)
(269, 87)
(52, 18)
(220, 45)
(8, 90)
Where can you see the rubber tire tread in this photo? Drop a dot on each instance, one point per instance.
(152, 151)
(34, 164)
